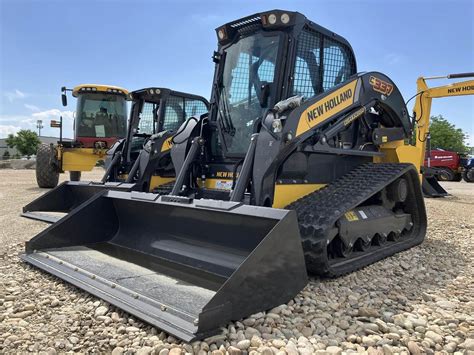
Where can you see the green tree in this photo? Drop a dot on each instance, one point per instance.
(446, 136)
(25, 141)
(6, 155)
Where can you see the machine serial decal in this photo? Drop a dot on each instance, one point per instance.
(326, 107)
(381, 86)
(223, 185)
(167, 144)
(354, 116)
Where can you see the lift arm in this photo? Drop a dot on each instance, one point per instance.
(422, 109)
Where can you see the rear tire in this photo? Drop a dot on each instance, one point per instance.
(445, 175)
(468, 175)
(47, 174)
(74, 175)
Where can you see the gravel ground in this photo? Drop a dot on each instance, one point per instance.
(419, 301)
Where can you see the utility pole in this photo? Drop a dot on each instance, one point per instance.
(39, 125)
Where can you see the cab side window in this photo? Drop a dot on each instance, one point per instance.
(321, 63)
(178, 109)
(174, 113)
(146, 124)
(337, 64)
(194, 107)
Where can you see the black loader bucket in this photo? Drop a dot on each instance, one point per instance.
(67, 196)
(432, 188)
(187, 268)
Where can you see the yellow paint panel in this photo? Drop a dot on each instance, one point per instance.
(399, 152)
(159, 180)
(288, 193)
(455, 89)
(167, 144)
(328, 106)
(284, 193)
(155, 180)
(79, 159)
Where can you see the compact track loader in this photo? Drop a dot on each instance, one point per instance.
(302, 164)
(100, 120)
(139, 162)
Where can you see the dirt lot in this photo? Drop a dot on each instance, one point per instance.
(418, 301)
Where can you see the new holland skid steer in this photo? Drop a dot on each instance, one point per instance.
(100, 120)
(301, 164)
(139, 162)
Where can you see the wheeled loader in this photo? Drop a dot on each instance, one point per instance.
(100, 120)
(302, 165)
(139, 162)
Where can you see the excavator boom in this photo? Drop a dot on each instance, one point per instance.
(422, 114)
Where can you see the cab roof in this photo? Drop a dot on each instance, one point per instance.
(88, 88)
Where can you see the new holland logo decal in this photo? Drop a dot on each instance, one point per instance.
(325, 108)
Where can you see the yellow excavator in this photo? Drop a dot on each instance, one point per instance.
(100, 120)
(422, 114)
(301, 165)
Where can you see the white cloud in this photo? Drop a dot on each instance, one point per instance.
(32, 107)
(5, 130)
(14, 95)
(53, 114)
(13, 123)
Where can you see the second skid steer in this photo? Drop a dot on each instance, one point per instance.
(301, 164)
(140, 162)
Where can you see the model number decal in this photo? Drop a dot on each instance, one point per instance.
(381, 86)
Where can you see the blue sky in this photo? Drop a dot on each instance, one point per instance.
(47, 44)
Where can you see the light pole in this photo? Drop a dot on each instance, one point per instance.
(39, 125)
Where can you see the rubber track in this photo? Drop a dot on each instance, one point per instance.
(318, 212)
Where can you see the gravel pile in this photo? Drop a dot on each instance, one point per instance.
(416, 302)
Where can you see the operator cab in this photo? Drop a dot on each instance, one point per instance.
(155, 110)
(263, 59)
(101, 115)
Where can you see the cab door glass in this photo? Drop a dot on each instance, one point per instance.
(174, 113)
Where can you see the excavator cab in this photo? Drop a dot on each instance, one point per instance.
(300, 165)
